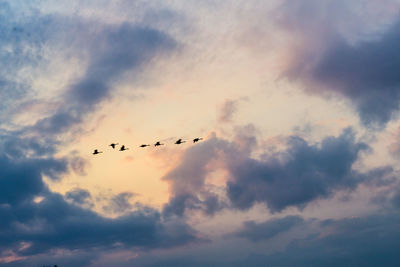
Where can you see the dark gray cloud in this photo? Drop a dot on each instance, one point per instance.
(55, 224)
(392, 196)
(52, 223)
(78, 164)
(49, 260)
(112, 52)
(263, 231)
(370, 240)
(49, 223)
(189, 189)
(367, 74)
(293, 177)
(188, 179)
(16, 145)
(361, 241)
(23, 163)
(331, 63)
(303, 173)
(75, 228)
(120, 203)
(79, 196)
(115, 51)
(394, 146)
(19, 147)
(206, 202)
(21, 179)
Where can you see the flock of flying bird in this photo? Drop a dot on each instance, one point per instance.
(123, 147)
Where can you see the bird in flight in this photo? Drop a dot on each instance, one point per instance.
(95, 152)
(144, 145)
(158, 144)
(123, 148)
(113, 145)
(179, 141)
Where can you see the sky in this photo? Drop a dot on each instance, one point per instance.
(297, 103)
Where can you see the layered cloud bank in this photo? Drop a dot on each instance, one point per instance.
(36, 220)
(294, 177)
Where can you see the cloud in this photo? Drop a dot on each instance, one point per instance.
(79, 196)
(301, 174)
(391, 196)
(120, 203)
(112, 52)
(228, 109)
(53, 223)
(369, 240)
(334, 61)
(20, 48)
(293, 177)
(188, 180)
(366, 74)
(189, 185)
(21, 179)
(59, 259)
(29, 228)
(105, 52)
(360, 241)
(115, 51)
(266, 230)
(394, 146)
(21, 176)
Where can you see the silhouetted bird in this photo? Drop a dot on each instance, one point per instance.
(95, 152)
(197, 140)
(123, 148)
(144, 145)
(179, 141)
(158, 144)
(113, 145)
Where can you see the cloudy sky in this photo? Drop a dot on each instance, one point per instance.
(297, 102)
